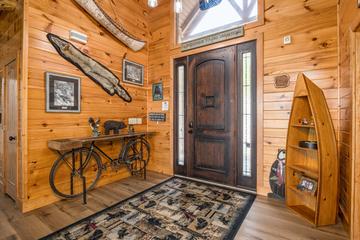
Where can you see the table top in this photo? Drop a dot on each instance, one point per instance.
(74, 143)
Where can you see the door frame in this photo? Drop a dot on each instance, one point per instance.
(2, 129)
(259, 37)
(355, 169)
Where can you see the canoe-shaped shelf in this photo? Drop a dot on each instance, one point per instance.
(310, 120)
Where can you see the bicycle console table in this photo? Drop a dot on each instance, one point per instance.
(80, 157)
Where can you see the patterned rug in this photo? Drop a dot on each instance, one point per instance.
(174, 209)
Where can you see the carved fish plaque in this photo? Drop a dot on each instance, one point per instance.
(91, 68)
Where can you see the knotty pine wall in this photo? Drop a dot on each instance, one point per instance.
(347, 14)
(59, 17)
(313, 27)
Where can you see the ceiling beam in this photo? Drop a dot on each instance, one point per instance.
(8, 5)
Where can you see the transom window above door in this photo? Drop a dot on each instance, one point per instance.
(199, 18)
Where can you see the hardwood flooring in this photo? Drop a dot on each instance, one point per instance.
(267, 219)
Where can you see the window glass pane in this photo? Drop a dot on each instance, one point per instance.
(194, 22)
(246, 135)
(181, 114)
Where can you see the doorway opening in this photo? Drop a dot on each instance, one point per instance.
(215, 115)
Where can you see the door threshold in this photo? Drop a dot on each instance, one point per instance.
(217, 184)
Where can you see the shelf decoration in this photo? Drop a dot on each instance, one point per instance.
(95, 11)
(91, 68)
(307, 185)
(311, 172)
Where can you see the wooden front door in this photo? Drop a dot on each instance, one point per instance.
(211, 115)
(11, 121)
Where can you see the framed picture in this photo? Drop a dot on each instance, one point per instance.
(157, 91)
(133, 73)
(62, 93)
(307, 185)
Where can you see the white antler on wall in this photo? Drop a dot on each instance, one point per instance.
(118, 31)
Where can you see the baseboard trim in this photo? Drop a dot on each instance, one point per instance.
(217, 184)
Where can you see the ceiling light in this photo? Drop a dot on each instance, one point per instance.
(153, 3)
(178, 6)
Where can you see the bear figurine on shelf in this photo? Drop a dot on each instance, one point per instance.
(114, 126)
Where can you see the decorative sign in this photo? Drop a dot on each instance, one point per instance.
(165, 106)
(282, 81)
(62, 93)
(214, 38)
(157, 91)
(157, 117)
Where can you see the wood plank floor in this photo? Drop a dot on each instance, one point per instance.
(267, 219)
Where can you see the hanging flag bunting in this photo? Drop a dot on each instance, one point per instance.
(207, 4)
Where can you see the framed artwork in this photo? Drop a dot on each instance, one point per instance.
(62, 93)
(133, 73)
(157, 91)
(307, 185)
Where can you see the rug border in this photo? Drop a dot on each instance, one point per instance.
(231, 235)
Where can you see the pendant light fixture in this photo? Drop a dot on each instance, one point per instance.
(178, 6)
(153, 3)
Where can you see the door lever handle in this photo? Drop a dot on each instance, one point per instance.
(191, 124)
(12, 138)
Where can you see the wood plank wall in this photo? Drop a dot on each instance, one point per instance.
(347, 14)
(59, 17)
(11, 26)
(313, 27)
(159, 71)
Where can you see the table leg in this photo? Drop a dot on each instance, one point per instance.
(72, 173)
(82, 178)
(144, 171)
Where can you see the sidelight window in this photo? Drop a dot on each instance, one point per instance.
(181, 114)
(246, 114)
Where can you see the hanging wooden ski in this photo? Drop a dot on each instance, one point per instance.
(91, 68)
(107, 22)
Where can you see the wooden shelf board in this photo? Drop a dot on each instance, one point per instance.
(302, 149)
(302, 126)
(307, 172)
(304, 211)
(294, 188)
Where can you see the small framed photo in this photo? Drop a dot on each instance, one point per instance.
(307, 185)
(157, 91)
(63, 93)
(133, 73)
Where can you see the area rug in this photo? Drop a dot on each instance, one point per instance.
(174, 209)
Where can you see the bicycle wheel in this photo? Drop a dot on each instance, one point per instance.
(136, 155)
(62, 173)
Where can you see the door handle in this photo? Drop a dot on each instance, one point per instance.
(12, 138)
(191, 126)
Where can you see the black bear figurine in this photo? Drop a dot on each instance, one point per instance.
(113, 126)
